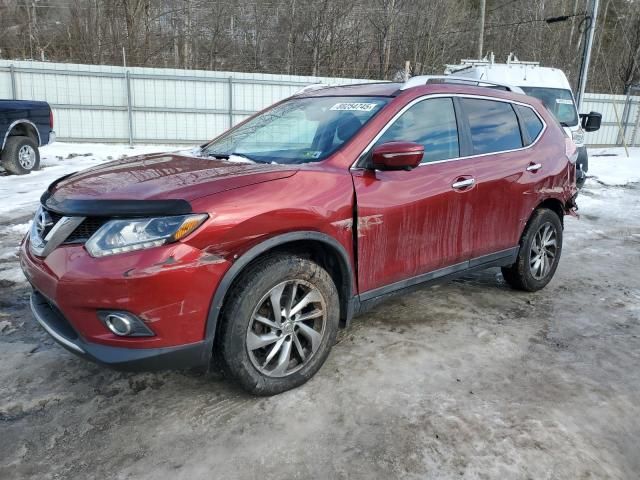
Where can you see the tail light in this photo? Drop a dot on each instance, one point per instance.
(51, 119)
(571, 151)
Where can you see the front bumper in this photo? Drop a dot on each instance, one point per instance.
(56, 325)
(170, 288)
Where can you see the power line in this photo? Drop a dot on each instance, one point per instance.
(512, 24)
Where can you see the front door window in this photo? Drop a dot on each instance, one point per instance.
(431, 123)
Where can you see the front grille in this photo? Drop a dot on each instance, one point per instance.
(82, 233)
(86, 229)
(55, 218)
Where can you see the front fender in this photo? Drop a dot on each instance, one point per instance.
(256, 251)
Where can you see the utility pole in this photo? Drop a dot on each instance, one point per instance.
(483, 7)
(586, 58)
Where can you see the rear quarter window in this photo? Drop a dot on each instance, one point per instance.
(494, 125)
(531, 123)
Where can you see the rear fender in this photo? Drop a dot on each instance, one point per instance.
(28, 125)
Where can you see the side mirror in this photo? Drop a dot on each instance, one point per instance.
(591, 121)
(397, 156)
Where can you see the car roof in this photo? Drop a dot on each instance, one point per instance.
(394, 89)
(373, 89)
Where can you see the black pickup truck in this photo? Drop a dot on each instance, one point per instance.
(24, 126)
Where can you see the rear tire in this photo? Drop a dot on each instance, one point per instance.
(20, 155)
(540, 249)
(270, 350)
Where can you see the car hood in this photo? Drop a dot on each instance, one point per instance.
(162, 177)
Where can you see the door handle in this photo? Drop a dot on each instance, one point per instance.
(460, 184)
(534, 167)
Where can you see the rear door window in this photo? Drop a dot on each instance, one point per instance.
(531, 122)
(431, 123)
(494, 125)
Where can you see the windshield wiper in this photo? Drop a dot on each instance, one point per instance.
(564, 124)
(227, 156)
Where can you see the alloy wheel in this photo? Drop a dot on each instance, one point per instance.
(544, 250)
(27, 157)
(286, 328)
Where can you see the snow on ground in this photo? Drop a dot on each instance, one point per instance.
(611, 166)
(605, 193)
(20, 193)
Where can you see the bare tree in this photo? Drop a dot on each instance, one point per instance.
(359, 38)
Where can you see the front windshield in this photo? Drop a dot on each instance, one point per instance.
(558, 101)
(299, 130)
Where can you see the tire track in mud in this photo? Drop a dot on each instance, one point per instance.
(221, 411)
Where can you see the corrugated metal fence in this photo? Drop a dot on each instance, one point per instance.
(155, 105)
(146, 105)
(620, 117)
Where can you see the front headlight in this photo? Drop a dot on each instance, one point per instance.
(119, 236)
(578, 136)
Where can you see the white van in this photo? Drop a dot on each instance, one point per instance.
(550, 85)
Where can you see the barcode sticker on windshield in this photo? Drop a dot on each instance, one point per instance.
(354, 107)
(564, 101)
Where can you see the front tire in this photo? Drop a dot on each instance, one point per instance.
(20, 155)
(540, 249)
(278, 324)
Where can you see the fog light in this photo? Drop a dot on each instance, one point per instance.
(125, 324)
(118, 324)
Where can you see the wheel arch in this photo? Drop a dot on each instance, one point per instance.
(22, 127)
(553, 204)
(320, 247)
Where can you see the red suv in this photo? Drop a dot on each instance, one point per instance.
(256, 249)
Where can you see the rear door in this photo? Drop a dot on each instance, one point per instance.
(414, 222)
(507, 173)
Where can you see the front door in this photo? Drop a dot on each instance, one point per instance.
(414, 222)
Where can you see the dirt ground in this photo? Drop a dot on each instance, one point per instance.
(464, 380)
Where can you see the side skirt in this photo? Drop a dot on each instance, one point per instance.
(370, 299)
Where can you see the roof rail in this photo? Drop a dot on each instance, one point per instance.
(309, 88)
(512, 59)
(489, 60)
(426, 79)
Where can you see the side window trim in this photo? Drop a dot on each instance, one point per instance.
(524, 134)
(361, 161)
(464, 131)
